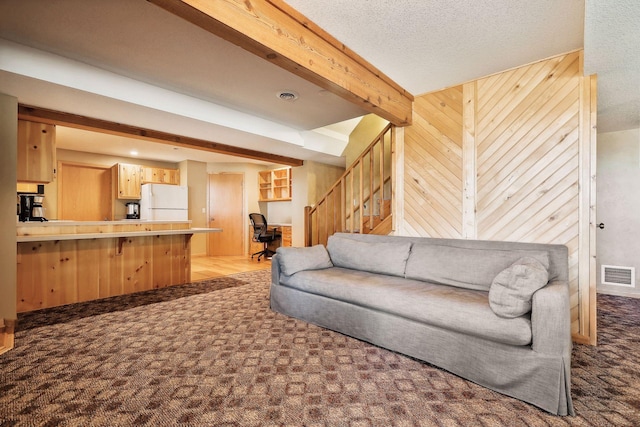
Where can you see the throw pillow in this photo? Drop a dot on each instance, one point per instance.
(512, 289)
(293, 260)
(376, 257)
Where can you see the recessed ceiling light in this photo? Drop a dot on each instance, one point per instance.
(287, 95)
(133, 152)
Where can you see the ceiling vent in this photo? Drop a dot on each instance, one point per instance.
(618, 276)
(287, 95)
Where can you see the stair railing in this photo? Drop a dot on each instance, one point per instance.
(356, 202)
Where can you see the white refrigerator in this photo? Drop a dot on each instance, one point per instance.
(164, 202)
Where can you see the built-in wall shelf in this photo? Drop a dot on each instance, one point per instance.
(274, 185)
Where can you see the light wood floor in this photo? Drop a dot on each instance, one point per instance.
(205, 267)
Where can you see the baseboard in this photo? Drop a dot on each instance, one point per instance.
(619, 293)
(7, 331)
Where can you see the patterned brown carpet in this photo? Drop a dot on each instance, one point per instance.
(213, 354)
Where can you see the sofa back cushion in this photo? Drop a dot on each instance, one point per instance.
(464, 267)
(385, 257)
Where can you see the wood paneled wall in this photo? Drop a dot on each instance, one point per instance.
(510, 157)
(433, 166)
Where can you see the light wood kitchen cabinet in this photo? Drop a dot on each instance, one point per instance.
(36, 152)
(172, 176)
(23, 187)
(127, 180)
(151, 175)
(274, 185)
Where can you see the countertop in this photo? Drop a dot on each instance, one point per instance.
(109, 235)
(77, 230)
(57, 223)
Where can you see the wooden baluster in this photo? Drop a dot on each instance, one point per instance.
(307, 226)
(371, 179)
(343, 197)
(381, 198)
(361, 198)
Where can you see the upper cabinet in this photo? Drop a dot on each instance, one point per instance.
(127, 180)
(274, 185)
(151, 175)
(36, 152)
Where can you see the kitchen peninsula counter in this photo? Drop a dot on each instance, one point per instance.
(63, 262)
(78, 230)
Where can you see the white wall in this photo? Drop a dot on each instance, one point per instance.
(618, 206)
(193, 174)
(277, 212)
(361, 136)
(310, 182)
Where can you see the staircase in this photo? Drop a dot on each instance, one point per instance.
(360, 201)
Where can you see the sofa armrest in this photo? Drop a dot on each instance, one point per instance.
(551, 319)
(275, 269)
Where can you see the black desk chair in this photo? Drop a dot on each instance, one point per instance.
(262, 234)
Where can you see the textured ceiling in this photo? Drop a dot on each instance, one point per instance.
(426, 45)
(429, 45)
(612, 50)
(179, 79)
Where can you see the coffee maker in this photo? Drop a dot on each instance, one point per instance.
(133, 210)
(30, 207)
(24, 208)
(37, 211)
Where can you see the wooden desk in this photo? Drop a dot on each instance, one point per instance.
(284, 229)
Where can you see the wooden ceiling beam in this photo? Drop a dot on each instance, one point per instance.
(278, 33)
(44, 115)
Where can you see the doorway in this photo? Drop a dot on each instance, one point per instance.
(226, 211)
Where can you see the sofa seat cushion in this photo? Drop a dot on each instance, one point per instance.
(458, 309)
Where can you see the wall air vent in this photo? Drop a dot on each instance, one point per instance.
(618, 276)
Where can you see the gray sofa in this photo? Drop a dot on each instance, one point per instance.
(495, 313)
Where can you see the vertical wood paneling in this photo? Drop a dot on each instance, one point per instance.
(397, 183)
(433, 166)
(469, 193)
(510, 157)
(587, 205)
(54, 273)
